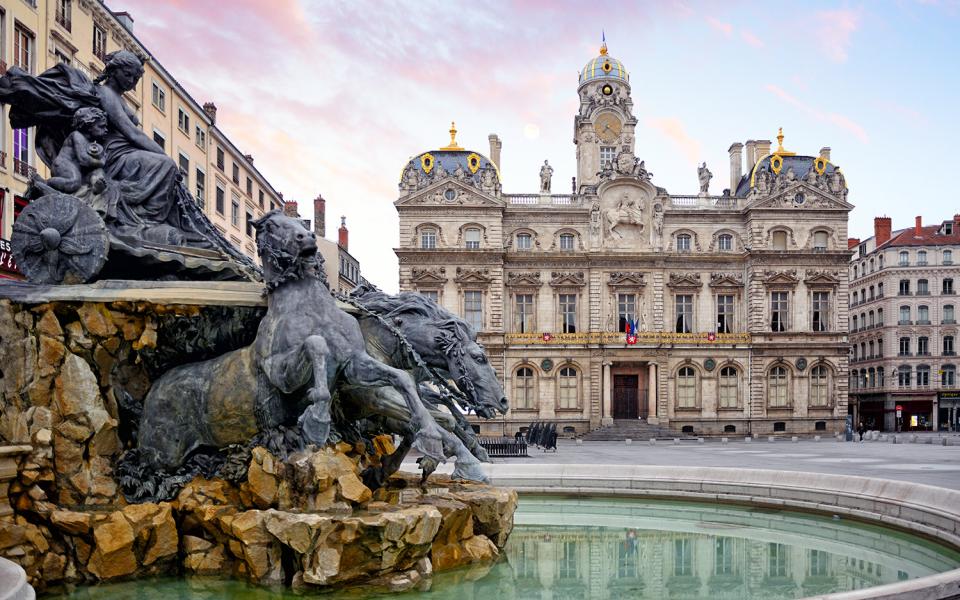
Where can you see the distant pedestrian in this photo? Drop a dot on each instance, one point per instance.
(860, 429)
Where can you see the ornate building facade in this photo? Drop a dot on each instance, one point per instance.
(37, 34)
(903, 327)
(730, 301)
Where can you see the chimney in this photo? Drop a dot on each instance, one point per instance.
(211, 109)
(343, 236)
(290, 209)
(249, 158)
(751, 155)
(495, 145)
(882, 227)
(763, 148)
(320, 216)
(956, 220)
(918, 227)
(825, 152)
(125, 19)
(852, 243)
(736, 165)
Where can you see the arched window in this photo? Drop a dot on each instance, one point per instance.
(904, 258)
(856, 298)
(854, 322)
(880, 381)
(686, 388)
(777, 381)
(871, 322)
(780, 241)
(471, 237)
(948, 346)
(880, 317)
(923, 287)
(871, 268)
(819, 386)
(905, 315)
(871, 292)
(566, 241)
(428, 238)
(524, 241)
(871, 377)
(523, 388)
(948, 257)
(903, 376)
(922, 257)
(923, 315)
(856, 271)
(820, 240)
(683, 243)
(725, 242)
(948, 376)
(879, 290)
(948, 317)
(569, 388)
(729, 388)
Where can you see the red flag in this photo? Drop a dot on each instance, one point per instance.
(547, 337)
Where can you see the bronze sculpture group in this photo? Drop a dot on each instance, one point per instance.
(315, 372)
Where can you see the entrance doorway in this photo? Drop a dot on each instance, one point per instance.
(630, 395)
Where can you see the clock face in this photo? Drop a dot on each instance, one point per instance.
(608, 127)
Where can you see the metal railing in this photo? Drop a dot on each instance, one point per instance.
(504, 446)
(22, 168)
(63, 15)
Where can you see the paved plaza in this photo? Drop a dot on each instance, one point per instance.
(929, 463)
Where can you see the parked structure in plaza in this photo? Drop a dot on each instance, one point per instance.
(903, 326)
(708, 313)
(82, 33)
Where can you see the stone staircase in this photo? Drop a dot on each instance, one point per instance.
(635, 429)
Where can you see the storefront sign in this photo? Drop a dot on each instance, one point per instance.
(7, 264)
(951, 395)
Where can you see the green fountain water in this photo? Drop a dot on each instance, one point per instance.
(599, 548)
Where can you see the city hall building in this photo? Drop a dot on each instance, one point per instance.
(704, 313)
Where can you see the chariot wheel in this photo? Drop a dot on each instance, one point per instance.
(59, 239)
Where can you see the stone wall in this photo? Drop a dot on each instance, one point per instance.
(72, 376)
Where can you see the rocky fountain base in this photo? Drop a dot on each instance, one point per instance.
(71, 354)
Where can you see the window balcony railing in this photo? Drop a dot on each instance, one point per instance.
(949, 353)
(3, 159)
(904, 354)
(947, 293)
(63, 18)
(948, 322)
(923, 321)
(904, 322)
(921, 263)
(22, 168)
(923, 354)
(923, 292)
(904, 293)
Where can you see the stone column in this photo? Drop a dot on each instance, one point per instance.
(652, 394)
(607, 416)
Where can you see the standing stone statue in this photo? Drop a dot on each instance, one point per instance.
(704, 174)
(546, 173)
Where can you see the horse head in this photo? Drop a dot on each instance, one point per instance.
(467, 365)
(287, 249)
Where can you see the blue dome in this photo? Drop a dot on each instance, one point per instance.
(604, 67)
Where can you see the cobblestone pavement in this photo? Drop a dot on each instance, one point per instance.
(930, 463)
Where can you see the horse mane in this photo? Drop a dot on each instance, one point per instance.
(279, 266)
(407, 304)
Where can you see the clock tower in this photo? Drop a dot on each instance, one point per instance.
(605, 124)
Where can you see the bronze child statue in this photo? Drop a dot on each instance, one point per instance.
(81, 156)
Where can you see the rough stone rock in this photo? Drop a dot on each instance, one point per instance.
(250, 529)
(262, 479)
(96, 319)
(77, 392)
(210, 562)
(113, 550)
(77, 338)
(71, 522)
(149, 337)
(51, 355)
(353, 489)
(164, 538)
(322, 566)
(298, 531)
(328, 465)
(49, 325)
(478, 548)
(192, 544)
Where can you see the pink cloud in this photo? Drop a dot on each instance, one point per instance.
(751, 39)
(841, 121)
(835, 29)
(721, 26)
(673, 129)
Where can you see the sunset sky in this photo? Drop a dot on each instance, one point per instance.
(334, 97)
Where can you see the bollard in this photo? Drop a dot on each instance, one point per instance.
(794, 439)
(771, 439)
(913, 438)
(627, 441)
(894, 439)
(676, 441)
(816, 438)
(700, 440)
(579, 442)
(944, 442)
(748, 439)
(724, 440)
(653, 441)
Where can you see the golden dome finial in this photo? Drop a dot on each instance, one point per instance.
(603, 43)
(780, 141)
(453, 138)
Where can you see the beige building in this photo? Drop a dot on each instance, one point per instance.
(903, 327)
(341, 268)
(36, 34)
(733, 297)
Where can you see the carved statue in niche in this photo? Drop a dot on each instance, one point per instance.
(762, 181)
(627, 212)
(546, 173)
(838, 184)
(791, 175)
(488, 179)
(411, 177)
(657, 241)
(460, 173)
(595, 217)
(439, 172)
(704, 176)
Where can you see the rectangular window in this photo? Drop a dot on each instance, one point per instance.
(201, 183)
(183, 121)
(820, 240)
(904, 346)
(159, 97)
(220, 199)
(904, 287)
(472, 238)
(184, 164)
(220, 158)
(23, 48)
(21, 151)
(566, 241)
(626, 310)
(948, 345)
(683, 557)
(947, 287)
(683, 305)
(473, 309)
(724, 313)
(923, 315)
(779, 311)
(923, 288)
(821, 306)
(570, 562)
(235, 212)
(923, 346)
(779, 240)
(819, 561)
(428, 239)
(524, 241)
(260, 199)
(903, 377)
(159, 139)
(62, 57)
(432, 294)
(728, 388)
(249, 187)
(723, 557)
(524, 314)
(568, 313)
(923, 377)
(236, 173)
(249, 224)
(63, 14)
(99, 42)
(607, 155)
(683, 243)
(569, 396)
(778, 563)
(200, 137)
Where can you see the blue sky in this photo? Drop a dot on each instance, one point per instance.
(333, 97)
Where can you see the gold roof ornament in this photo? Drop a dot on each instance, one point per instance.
(780, 149)
(603, 49)
(453, 138)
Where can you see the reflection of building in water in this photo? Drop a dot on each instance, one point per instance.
(616, 563)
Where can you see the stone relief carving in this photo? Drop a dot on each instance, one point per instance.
(628, 212)
(657, 233)
(531, 278)
(626, 278)
(567, 278)
(684, 280)
(625, 165)
(726, 278)
(428, 274)
(468, 275)
(414, 179)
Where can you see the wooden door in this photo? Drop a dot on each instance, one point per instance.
(625, 404)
